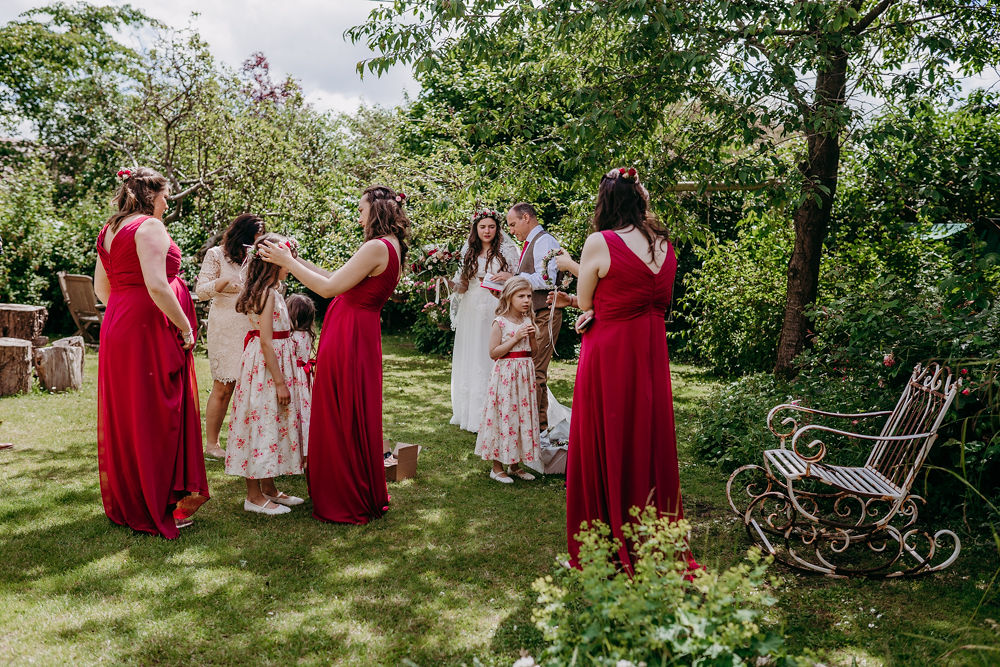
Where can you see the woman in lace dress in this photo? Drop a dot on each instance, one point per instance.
(219, 280)
(487, 252)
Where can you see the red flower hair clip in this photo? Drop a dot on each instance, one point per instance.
(400, 198)
(124, 174)
(628, 173)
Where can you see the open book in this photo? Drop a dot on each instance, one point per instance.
(489, 283)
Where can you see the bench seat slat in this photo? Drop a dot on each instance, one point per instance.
(864, 481)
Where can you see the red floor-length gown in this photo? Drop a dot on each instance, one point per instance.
(622, 445)
(148, 419)
(346, 471)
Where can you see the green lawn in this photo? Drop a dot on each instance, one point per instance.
(442, 579)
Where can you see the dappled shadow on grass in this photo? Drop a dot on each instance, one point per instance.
(430, 581)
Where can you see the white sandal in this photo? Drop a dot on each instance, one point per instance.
(521, 473)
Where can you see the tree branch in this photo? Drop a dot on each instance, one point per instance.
(870, 17)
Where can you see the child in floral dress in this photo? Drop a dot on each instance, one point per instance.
(508, 431)
(270, 418)
(302, 314)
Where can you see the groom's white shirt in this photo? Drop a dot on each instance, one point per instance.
(544, 245)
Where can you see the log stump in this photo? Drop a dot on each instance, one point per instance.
(59, 367)
(15, 366)
(77, 342)
(20, 321)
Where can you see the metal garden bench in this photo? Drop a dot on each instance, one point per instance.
(841, 520)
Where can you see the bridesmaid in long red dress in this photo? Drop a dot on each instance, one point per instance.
(148, 419)
(622, 445)
(346, 474)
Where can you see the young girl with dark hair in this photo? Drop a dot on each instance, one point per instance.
(622, 444)
(346, 472)
(219, 281)
(267, 431)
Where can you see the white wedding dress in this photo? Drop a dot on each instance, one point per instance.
(472, 315)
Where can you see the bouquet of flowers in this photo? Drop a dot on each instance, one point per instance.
(434, 261)
(438, 314)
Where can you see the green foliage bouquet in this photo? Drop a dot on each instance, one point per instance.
(660, 615)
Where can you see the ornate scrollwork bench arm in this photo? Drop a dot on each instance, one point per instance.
(812, 411)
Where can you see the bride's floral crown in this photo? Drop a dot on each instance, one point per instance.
(485, 213)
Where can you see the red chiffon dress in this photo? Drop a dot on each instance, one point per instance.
(622, 445)
(346, 473)
(148, 419)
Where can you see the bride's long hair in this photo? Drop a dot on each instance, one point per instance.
(470, 263)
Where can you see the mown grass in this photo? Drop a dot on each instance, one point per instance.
(444, 578)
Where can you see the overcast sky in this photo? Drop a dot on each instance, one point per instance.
(303, 38)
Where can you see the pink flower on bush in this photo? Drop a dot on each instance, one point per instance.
(964, 371)
(965, 392)
(889, 360)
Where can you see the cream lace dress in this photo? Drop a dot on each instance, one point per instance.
(226, 327)
(472, 317)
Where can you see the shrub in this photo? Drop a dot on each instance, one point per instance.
(601, 615)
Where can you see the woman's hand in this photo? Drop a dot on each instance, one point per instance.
(525, 330)
(566, 263)
(222, 284)
(187, 340)
(276, 253)
(502, 277)
(584, 320)
(563, 300)
(284, 396)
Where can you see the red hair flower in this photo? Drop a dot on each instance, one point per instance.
(124, 174)
(631, 172)
(622, 171)
(400, 197)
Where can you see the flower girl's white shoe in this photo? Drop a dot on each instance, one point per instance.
(285, 499)
(263, 509)
(497, 476)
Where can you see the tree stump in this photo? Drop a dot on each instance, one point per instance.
(20, 321)
(77, 342)
(15, 366)
(59, 367)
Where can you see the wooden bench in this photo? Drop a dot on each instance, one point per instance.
(850, 520)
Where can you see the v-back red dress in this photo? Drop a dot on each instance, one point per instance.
(148, 419)
(346, 470)
(622, 445)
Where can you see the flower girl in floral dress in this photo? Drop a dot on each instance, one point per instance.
(508, 431)
(270, 418)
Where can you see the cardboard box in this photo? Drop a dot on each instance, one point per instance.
(406, 460)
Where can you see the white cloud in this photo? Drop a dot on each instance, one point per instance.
(303, 38)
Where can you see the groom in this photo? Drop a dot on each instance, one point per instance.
(523, 223)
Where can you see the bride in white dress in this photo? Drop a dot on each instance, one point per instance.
(487, 252)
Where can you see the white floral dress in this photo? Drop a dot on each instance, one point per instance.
(266, 439)
(508, 430)
(302, 351)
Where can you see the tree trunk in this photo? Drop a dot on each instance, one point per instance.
(812, 218)
(19, 321)
(59, 367)
(15, 366)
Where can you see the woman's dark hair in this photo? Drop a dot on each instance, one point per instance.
(240, 234)
(622, 202)
(136, 194)
(260, 277)
(470, 263)
(386, 216)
